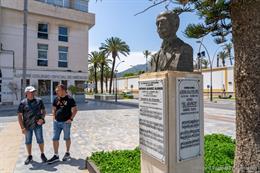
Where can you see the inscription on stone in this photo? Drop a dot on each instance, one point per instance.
(188, 118)
(151, 119)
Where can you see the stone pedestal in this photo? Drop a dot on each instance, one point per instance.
(171, 122)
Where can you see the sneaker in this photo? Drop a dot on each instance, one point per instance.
(28, 160)
(66, 156)
(43, 157)
(53, 159)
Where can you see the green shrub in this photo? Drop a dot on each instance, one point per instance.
(219, 155)
(128, 96)
(126, 161)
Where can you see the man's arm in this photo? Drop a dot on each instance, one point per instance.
(54, 112)
(74, 111)
(20, 120)
(43, 112)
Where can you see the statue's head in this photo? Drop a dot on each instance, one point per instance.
(167, 24)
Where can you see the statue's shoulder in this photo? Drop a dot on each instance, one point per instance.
(186, 47)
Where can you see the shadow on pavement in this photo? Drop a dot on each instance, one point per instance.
(79, 163)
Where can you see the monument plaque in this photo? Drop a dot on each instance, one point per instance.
(188, 118)
(151, 119)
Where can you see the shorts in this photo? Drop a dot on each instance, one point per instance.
(38, 134)
(61, 126)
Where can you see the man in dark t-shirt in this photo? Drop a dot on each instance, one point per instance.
(31, 113)
(64, 110)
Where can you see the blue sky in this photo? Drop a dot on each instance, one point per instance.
(116, 18)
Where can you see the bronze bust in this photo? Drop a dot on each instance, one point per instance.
(174, 54)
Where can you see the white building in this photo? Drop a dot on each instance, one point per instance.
(222, 79)
(57, 46)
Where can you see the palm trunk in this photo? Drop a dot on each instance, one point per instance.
(230, 58)
(96, 82)
(246, 36)
(106, 78)
(102, 77)
(112, 74)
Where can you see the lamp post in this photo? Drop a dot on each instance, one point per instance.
(25, 20)
(211, 69)
(116, 79)
(198, 58)
(146, 54)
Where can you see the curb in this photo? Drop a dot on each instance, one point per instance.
(92, 168)
(136, 105)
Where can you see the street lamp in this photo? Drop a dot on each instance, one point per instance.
(211, 65)
(116, 79)
(198, 58)
(211, 69)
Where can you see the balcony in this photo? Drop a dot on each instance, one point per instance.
(80, 5)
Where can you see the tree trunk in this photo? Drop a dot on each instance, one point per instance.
(112, 75)
(96, 82)
(106, 82)
(230, 57)
(245, 16)
(102, 77)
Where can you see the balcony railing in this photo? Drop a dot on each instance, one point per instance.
(81, 5)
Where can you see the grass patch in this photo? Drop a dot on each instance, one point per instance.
(219, 155)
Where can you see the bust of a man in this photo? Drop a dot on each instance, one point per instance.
(174, 54)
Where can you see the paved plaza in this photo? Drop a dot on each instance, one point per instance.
(98, 126)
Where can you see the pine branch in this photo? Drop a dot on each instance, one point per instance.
(155, 4)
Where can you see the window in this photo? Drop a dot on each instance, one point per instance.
(63, 34)
(80, 85)
(63, 56)
(42, 55)
(81, 5)
(65, 83)
(44, 88)
(43, 31)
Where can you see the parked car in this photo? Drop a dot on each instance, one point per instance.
(128, 94)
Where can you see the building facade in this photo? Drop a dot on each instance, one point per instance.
(57, 46)
(222, 81)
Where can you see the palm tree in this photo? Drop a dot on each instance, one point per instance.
(146, 54)
(91, 76)
(107, 72)
(152, 60)
(223, 55)
(103, 61)
(94, 61)
(228, 48)
(205, 63)
(114, 46)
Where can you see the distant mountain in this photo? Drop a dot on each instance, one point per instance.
(134, 69)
